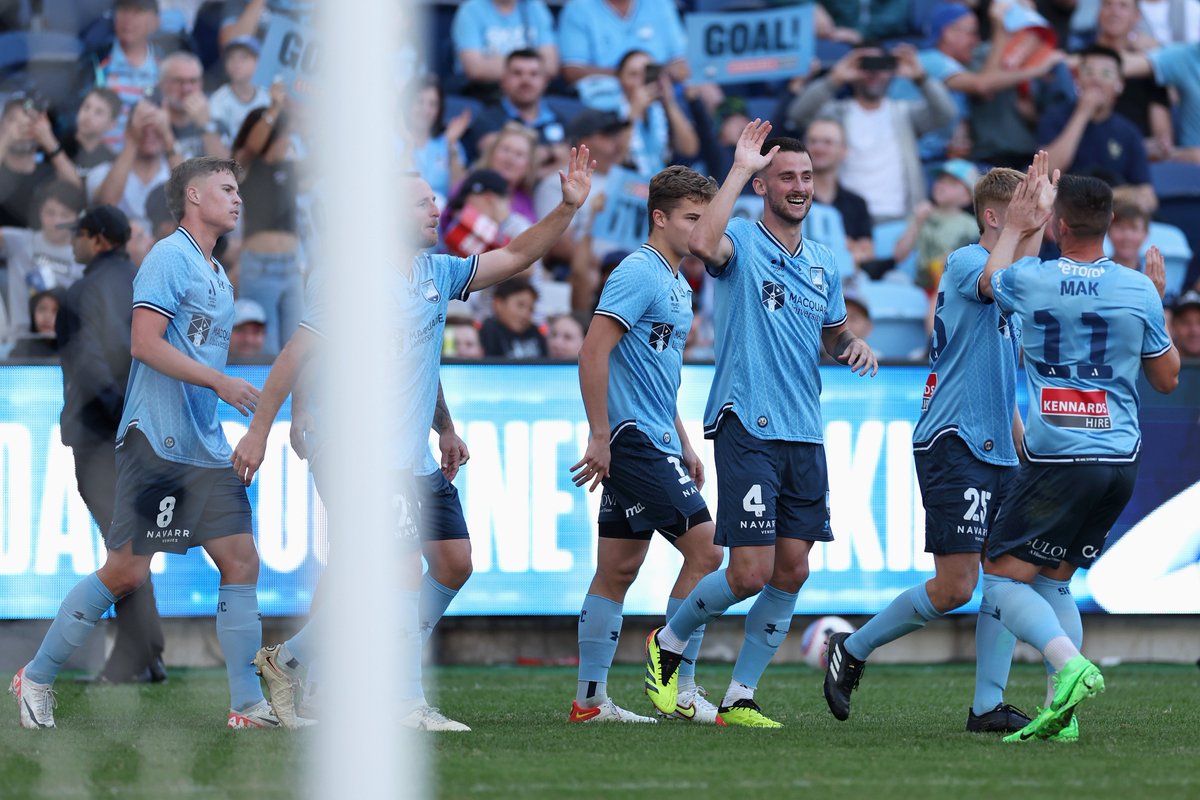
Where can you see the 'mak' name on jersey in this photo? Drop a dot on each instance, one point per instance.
(180, 419)
(654, 305)
(971, 391)
(1087, 327)
(770, 309)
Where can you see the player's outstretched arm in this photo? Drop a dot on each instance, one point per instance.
(850, 350)
(708, 242)
(148, 346)
(453, 449)
(252, 447)
(535, 241)
(602, 336)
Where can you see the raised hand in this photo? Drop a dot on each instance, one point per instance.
(908, 65)
(1047, 182)
(577, 181)
(748, 154)
(458, 124)
(1156, 270)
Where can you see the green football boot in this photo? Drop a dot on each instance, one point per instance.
(746, 714)
(662, 674)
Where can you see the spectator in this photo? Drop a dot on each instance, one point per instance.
(40, 259)
(858, 313)
(1143, 101)
(231, 103)
(512, 153)
(595, 34)
(130, 69)
(661, 131)
(522, 99)
(872, 19)
(477, 215)
(1176, 66)
(39, 340)
(826, 143)
(510, 333)
(484, 32)
(882, 162)
(939, 228)
(1090, 138)
(434, 145)
(196, 133)
(566, 337)
(96, 117)
(1172, 21)
(1128, 231)
(462, 339)
(269, 270)
(145, 162)
(1185, 324)
(253, 17)
(24, 128)
(249, 330)
(160, 222)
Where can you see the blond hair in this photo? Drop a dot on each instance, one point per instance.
(994, 189)
(513, 128)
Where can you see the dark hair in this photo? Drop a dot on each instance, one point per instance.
(674, 185)
(512, 286)
(786, 144)
(625, 59)
(431, 81)
(1102, 51)
(68, 194)
(1085, 205)
(189, 170)
(252, 118)
(37, 298)
(524, 52)
(109, 97)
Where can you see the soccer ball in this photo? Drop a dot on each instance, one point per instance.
(816, 636)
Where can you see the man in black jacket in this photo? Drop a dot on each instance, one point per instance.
(93, 329)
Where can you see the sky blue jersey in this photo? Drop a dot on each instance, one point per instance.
(415, 351)
(654, 306)
(1087, 328)
(971, 391)
(770, 308)
(180, 419)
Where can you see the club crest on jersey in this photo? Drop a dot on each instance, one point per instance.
(772, 295)
(430, 291)
(1076, 408)
(660, 336)
(198, 329)
(818, 277)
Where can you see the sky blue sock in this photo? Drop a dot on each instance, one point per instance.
(435, 599)
(1058, 595)
(76, 618)
(707, 601)
(687, 668)
(907, 613)
(303, 644)
(599, 632)
(994, 645)
(1022, 610)
(767, 625)
(411, 641)
(239, 630)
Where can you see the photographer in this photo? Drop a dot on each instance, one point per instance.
(196, 132)
(24, 128)
(662, 132)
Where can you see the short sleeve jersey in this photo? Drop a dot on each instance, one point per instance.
(1178, 65)
(770, 308)
(971, 391)
(1114, 144)
(1086, 328)
(194, 294)
(590, 33)
(479, 25)
(654, 306)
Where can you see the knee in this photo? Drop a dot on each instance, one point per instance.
(620, 575)
(706, 560)
(947, 595)
(789, 578)
(455, 568)
(123, 580)
(240, 569)
(746, 582)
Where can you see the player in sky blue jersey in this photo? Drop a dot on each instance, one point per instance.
(965, 446)
(175, 489)
(629, 371)
(423, 285)
(1089, 326)
(778, 303)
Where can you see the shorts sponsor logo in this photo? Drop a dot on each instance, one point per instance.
(773, 295)
(1076, 408)
(607, 501)
(660, 336)
(634, 510)
(1048, 550)
(1090, 551)
(930, 388)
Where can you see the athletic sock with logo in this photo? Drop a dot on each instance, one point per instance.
(907, 613)
(599, 632)
(76, 618)
(1058, 595)
(239, 630)
(435, 599)
(767, 625)
(687, 667)
(1027, 614)
(994, 646)
(709, 600)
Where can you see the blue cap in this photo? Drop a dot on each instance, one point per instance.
(248, 42)
(945, 15)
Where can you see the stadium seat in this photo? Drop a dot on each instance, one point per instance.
(1175, 179)
(885, 235)
(898, 310)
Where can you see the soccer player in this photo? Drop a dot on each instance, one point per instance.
(965, 446)
(778, 302)
(629, 372)
(437, 510)
(1089, 324)
(175, 489)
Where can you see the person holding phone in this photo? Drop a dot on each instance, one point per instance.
(662, 131)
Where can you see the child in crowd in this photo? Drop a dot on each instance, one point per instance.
(939, 228)
(511, 332)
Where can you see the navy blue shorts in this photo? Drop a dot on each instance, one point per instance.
(167, 507)
(647, 490)
(1061, 512)
(961, 495)
(769, 488)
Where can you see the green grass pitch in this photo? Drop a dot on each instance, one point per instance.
(905, 739)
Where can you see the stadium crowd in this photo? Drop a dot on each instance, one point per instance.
(904, 106)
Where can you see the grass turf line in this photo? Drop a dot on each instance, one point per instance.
(904, 739)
